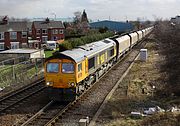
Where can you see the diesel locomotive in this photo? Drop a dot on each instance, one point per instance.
(70, 72)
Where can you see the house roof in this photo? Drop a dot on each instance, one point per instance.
(13, 26)
(50, 24)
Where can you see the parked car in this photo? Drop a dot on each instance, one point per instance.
(51, 45)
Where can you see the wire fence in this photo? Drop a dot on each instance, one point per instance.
(15, 72)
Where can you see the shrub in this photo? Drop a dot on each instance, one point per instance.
(75, 42)
(65, 46)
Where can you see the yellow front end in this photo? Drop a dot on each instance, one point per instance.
(64, 73)
(62, 76)
(60, 73)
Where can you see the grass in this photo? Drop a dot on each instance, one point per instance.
(22, 72)
(162, 119)
(125, 122)
(142, 75)
(48, 53)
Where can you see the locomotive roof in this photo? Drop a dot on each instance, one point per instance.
(78, 54)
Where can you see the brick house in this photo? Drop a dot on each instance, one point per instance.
(13, 35)
(47, 31)
(32, 43)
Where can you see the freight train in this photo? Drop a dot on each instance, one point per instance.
(69, 73)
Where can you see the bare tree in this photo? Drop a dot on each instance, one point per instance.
(168, 37)
(77, 17)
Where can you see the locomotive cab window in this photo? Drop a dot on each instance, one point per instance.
(67, 67)
(91, 63)
(79, 67)
(52, 67)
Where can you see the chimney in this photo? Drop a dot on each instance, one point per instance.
(47, 20)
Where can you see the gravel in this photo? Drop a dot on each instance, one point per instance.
(25, 110)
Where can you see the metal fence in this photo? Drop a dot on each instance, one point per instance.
(20, 73)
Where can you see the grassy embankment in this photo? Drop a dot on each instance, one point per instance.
(136, 92)
(21, 73)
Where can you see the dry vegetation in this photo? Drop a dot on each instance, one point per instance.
(168, 37)
(136, 92)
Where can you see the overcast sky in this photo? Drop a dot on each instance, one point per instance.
(96, 9)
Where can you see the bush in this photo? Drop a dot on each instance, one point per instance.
(103, 29)
(65, 46)
(168, 37)
(72, 43)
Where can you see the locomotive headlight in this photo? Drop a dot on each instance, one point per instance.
(72, 84)
(49, 83)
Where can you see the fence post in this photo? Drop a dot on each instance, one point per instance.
(36, 68)
(13, 71)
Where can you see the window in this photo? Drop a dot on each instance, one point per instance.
(36, 45)
(2, 46)
(38, 31)
(14, 45)
(24, 45)
(24, 34)
(55, 31)
(52, 67)
(91, 63)
(30, 45)
(52, 44)
(54, 38)
(61, 31)
(44, 39)
(79, 67)
(13, 35)
(44, 31)
(1, 35)
(67, 67)
(30, 30)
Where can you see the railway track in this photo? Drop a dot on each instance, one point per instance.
(88, 103)
(15, 98)
(43, 116)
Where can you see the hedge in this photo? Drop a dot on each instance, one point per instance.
(75, 42)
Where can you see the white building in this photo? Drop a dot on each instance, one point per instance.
(27, 53)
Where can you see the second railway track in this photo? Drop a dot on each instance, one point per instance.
(11, 101)
(45, 114)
